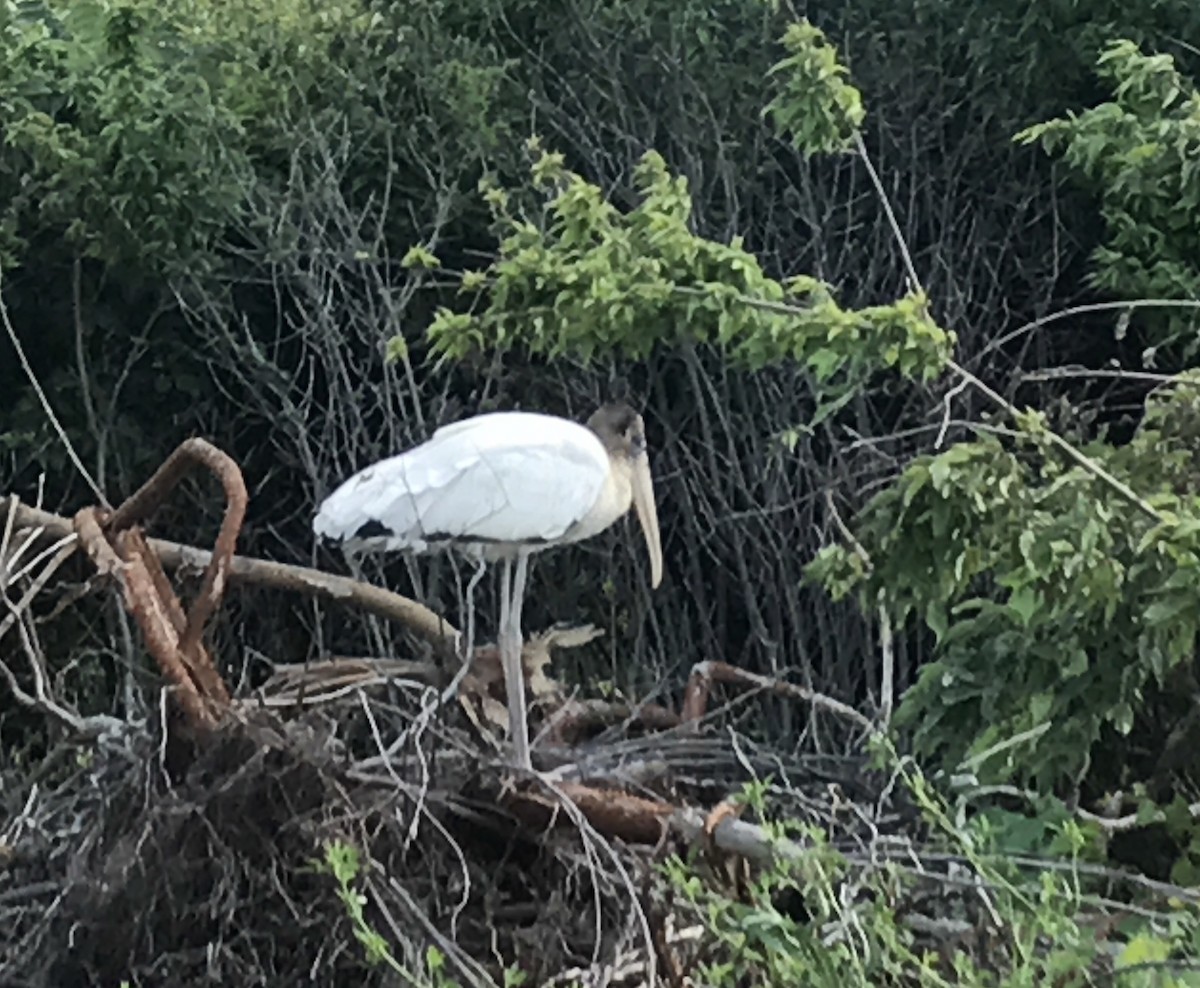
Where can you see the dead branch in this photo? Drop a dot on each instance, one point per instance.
(158, 614)
(15, 611)
(192, 652)
(704, 674)
(733, 836)
(577, 719)
(264, 573)
(304, 683)
(85, 525)
(40, 699)
(613, 813)
(1129, 822)
(638, 820)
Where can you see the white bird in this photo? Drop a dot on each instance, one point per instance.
(500, 487)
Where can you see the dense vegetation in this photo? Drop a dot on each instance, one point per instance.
(907, 291)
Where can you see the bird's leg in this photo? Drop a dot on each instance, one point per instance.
(468, 640)
(518, 592)
(469, 644)
(505, 603)
(510, 656)
(414, 574)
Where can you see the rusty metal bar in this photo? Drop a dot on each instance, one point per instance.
(153, 492)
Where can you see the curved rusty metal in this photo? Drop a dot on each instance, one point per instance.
(117, 547)
(154, 491)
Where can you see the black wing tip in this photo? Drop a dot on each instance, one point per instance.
(368, 531)
(372, 529)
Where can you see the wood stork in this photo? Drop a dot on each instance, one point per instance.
(498, 488)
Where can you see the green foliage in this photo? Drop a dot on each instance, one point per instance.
(855, 931)
(587, 278)
(1183, 828)
(182, 148)
(1141, 154)
(1057, 610)
(1047, 829)
(111, 135)
(342, 863)
(139, 132)
(577, 276)
(815, 105)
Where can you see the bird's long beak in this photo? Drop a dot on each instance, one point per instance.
(647, 512)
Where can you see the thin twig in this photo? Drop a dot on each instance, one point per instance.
(45, 402)
(1079, 310)
(991, 394)
(41, 699)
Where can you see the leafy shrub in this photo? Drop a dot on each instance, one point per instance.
(1140, 152)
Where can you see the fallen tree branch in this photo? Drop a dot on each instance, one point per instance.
(639, 820)
(264, 573)
(704, 674)
(734, 836)
(577, 719)
(309, 683)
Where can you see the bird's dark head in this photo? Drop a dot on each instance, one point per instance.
(620, 429)
(623, 434)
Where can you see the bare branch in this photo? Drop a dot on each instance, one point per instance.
(283, 576)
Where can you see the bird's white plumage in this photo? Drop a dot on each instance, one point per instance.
(504, 477)
(501, 487)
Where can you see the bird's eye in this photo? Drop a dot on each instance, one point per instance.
(637, 442)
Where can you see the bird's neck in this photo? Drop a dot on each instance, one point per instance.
(616, 497)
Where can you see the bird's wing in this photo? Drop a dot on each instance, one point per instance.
(507, 476)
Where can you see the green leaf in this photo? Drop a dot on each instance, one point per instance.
(1040, 705)
(936, 619)
(1024, 603)
(828, 408)
(1076, 664)
(1143, 949)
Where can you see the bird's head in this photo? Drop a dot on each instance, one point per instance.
(623, 434)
